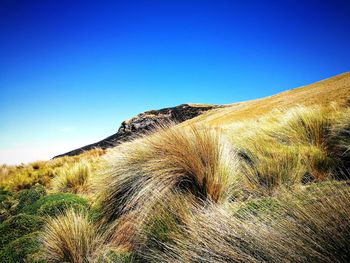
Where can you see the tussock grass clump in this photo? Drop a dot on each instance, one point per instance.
(4, 170)
(286, 148)
(306, 125)
(321, 132)
(73, 179)
(309, 226)
(70, 237)
(267, 167)
(193, 160)
(339, 145)
(24, 176)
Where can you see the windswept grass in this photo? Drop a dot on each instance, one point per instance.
(74, 179)
(280, 152)
(74, 237)
(141, 172)
(312, 226)
(286, 148)
(24, 176)
(71, 237)
(272, 188)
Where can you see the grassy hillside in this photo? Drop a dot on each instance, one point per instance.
(257, 181)
(335, 89)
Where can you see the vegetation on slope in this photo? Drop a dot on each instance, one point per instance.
(20, 177)
(161, 188)
(271, 187)
(335, 89)
(311, 226)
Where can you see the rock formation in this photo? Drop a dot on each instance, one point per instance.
(144, 122)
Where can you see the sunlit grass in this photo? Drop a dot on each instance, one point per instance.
(70, 237)
(260, 190)
(17, 177)
(309, 226)
(140, 173)
(73, 178)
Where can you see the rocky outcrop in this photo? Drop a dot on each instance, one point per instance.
(144, 122)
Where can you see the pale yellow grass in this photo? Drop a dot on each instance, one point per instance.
(310, 225)
(335, 89)
(71, 237)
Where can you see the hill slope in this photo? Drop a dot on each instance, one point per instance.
(334, 89)
(265, 186)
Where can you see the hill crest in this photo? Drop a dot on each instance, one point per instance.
(333, 89)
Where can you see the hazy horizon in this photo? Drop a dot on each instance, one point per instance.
(71, 72)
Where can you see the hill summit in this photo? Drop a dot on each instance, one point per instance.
(144, 122)
(334, 89)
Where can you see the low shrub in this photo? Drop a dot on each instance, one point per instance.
(6, 202)
(4, 194)
(29, 196)
(18, 226)
(115, 256)
(54, 204)
(23, 249)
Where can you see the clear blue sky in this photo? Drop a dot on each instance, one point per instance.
(71, 71)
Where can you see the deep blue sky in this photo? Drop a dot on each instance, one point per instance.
(71, 71)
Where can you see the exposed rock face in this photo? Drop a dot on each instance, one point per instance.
(144, 122)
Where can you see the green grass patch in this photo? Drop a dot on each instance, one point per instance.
(113, 256)
(52, 205)
(258, 207)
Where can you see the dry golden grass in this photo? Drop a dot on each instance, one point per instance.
(24, 176)
(288, 147)
(20, 177)
(309, 226)
(246, 183)
(140, 173)
(71, 237)
(335, 89)
(74, 179)
(281, 152)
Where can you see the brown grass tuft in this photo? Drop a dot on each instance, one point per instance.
(74, 179)
(310, 226)
(141, 173)
(71, 237)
